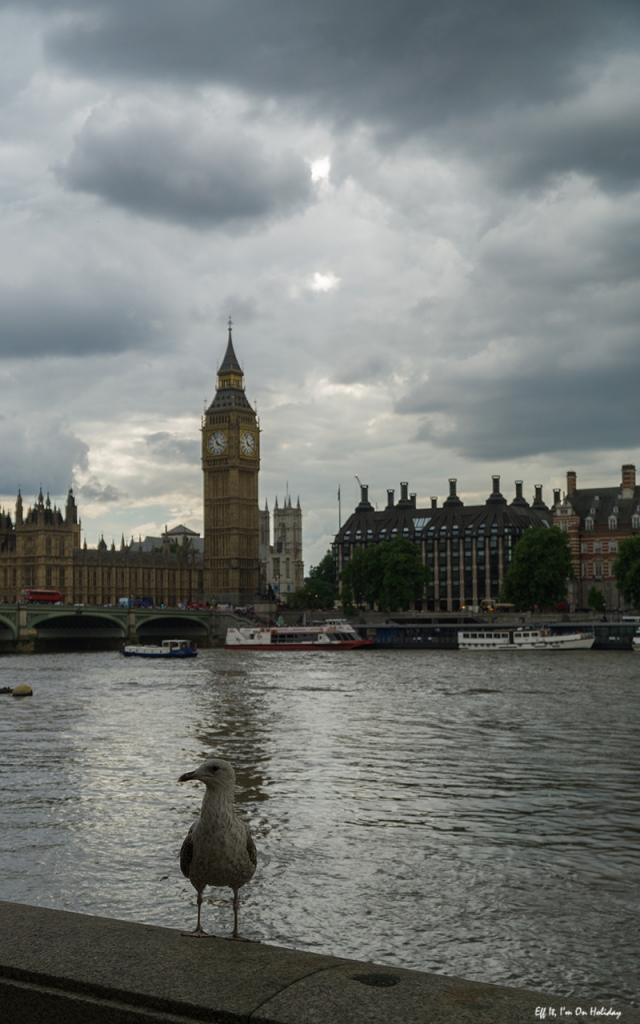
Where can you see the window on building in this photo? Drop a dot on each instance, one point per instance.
(597, 570)
(597, 545)
(613, 523)
(584, 569)
(564, 526)
(615, 510)
(61, 578)
(635, 522)
(584, 547)
(613, 545)
(61, 546)
(48, 577)
(588, 523)
(47, 546)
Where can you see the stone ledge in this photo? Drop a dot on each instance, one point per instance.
(62, 968)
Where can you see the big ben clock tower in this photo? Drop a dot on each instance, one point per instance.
(230, 463)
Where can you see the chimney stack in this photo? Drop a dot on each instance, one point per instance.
(538, 497)
(518, 489)
(628, 480)
(364, 494)
(572, 482)
(434, 501)
(496, 483)
(452, 486)
(390, 495)
(412, 498)
(556, 496)
(404, 490)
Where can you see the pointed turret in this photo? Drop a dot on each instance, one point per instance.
(230, 362)
(230, 387)
(19, 509)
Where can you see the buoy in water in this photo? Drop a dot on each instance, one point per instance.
(22, 691)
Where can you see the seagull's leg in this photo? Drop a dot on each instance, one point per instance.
(236, 934)
(199, 932)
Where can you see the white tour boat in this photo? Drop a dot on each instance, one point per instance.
(169, 649)
(333, 635)
(636, 642)
(523, 640)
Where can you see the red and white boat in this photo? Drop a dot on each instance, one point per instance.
(333, 635)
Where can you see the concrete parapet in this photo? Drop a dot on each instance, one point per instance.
(62, 968)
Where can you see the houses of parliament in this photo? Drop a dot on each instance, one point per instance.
(41, 546)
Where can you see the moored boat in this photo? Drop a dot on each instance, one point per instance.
(636, 642)
(333, 635)
(169, 649)
(523, 640)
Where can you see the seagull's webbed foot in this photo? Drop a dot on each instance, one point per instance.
(239, 938)
(198, 933)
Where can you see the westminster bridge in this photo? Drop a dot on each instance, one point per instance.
(29, 627)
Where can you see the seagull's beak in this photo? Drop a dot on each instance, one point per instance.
(187, 777)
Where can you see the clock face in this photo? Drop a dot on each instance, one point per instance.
(248, 443)
(217, 442)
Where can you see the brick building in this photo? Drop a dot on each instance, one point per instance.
(597, 519)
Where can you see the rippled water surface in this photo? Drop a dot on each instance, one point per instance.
(475, 815)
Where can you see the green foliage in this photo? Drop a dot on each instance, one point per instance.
(390, 575)
(595, 599)
(320, 591)
(539, 570)
(626, 570)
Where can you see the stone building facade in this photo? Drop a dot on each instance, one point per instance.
(281, 564)
(42, 550)
(467, 547)
(597, 519)
(230, 464)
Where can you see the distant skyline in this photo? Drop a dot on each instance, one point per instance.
(423, 221)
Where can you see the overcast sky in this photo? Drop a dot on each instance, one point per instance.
(422, 217)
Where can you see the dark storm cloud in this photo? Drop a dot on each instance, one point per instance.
(93, 490)
(166, 447)
(521, 412)
(73, 321)
(38, 452)
(442, 71)
(175, 168)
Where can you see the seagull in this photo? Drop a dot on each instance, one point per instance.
(218, 848)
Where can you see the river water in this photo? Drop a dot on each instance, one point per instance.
(469, 814)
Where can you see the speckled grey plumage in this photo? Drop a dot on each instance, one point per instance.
(218, 849)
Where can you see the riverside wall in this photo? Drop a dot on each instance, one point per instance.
(58, 967)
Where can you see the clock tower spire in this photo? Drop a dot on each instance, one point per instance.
(230, 464)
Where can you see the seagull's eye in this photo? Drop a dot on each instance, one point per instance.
(214, 767)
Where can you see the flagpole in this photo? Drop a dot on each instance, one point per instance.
(339, 510)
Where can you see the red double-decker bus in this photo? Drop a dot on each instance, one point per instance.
(32, 596)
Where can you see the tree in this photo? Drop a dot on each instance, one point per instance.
(390, 575)
(320, 590)
(595, 599)
(539, 570)
(626, 570)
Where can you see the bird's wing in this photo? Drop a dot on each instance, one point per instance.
(186, 852)
(251, 849)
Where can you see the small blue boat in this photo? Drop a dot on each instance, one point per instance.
(169, 649)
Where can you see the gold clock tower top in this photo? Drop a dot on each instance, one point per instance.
(230, 464)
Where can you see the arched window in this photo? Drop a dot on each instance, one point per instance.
(588, 523)
(613, 522)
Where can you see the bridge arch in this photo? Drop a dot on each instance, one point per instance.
(153, 628)
(8, 628)
(67, 630)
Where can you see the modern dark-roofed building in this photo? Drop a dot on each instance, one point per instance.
(468, 547)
